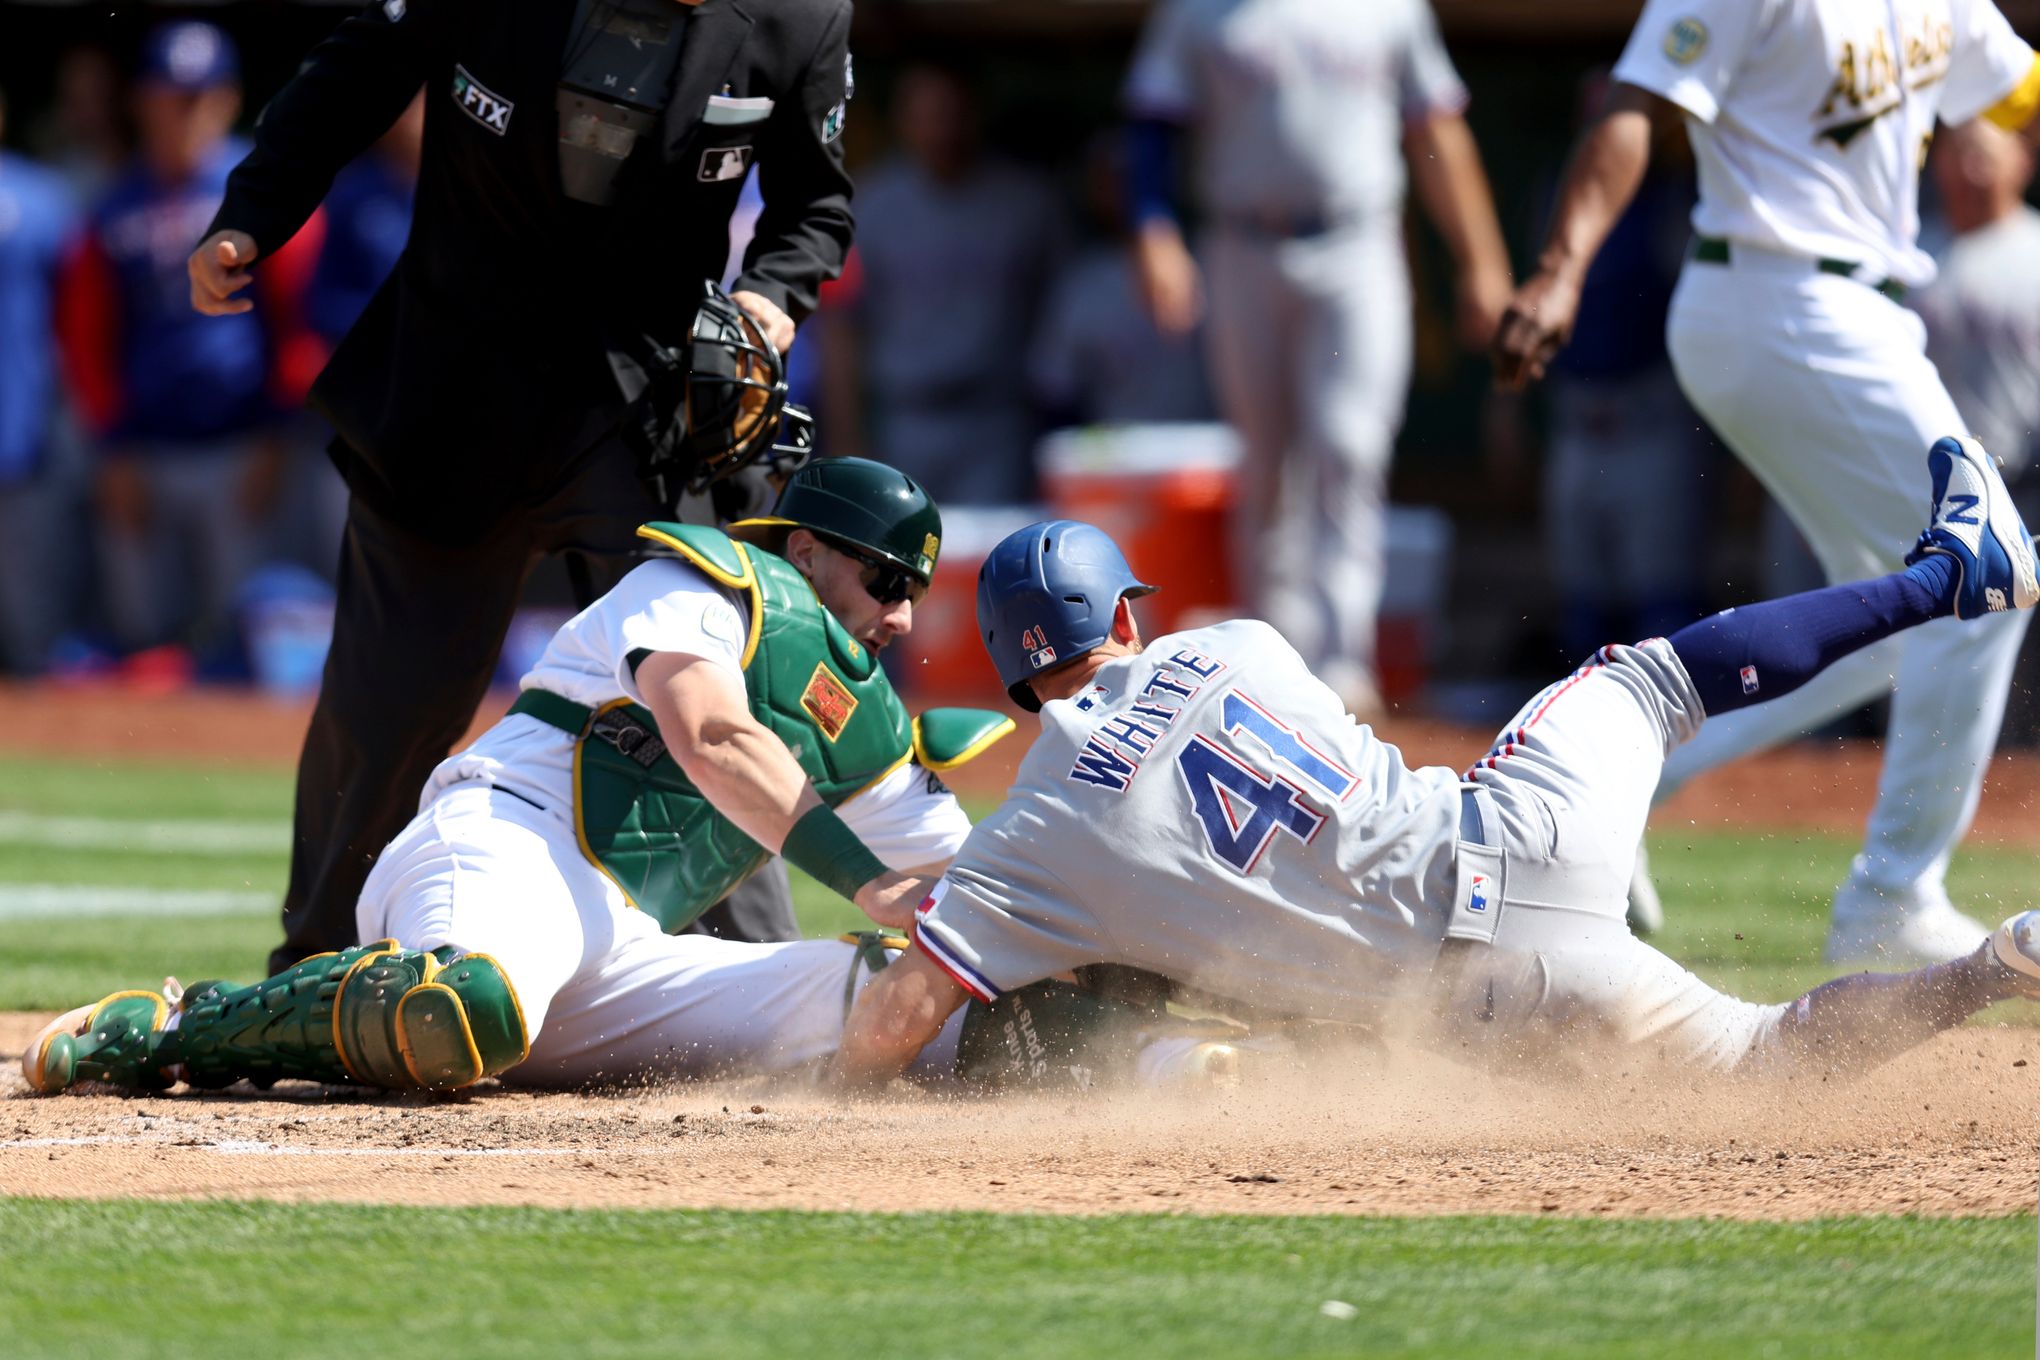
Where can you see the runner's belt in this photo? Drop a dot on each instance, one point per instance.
(1714, 250)
(1471, 828)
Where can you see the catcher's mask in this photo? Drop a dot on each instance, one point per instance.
(729, 410)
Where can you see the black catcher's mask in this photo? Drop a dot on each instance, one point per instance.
(719, 405)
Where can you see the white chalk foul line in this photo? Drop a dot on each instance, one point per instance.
(152, 837)
(248, 1146)
(34, 901)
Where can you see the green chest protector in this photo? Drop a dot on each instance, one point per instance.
(643, 822)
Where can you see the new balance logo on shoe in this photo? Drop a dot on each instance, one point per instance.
(1961, 513)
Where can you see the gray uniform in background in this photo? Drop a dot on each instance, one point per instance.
(1208, 811)
(1983, 333)
(953, 279)
(1299, 107)
(1099, 360)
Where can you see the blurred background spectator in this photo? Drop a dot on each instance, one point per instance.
(1983, 311)
(83, 135)
(956, 248)
(964, 327)
(1983, 325)
(1098, 356)
(38, 220)
(1625, 475)
(186, 412)
(1304, 117)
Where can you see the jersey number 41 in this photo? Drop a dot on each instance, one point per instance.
(1242, 806)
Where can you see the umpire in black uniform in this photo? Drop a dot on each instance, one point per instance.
(581, 162)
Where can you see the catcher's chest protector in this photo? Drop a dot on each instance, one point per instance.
(642, 821)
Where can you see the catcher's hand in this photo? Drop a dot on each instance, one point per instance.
(1535, 326)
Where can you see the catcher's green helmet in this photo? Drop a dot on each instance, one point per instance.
(857, 501)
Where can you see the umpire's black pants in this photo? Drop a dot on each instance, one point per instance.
(416, 632)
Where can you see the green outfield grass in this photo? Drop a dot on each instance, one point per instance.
(1748, 911)
(347, 1281)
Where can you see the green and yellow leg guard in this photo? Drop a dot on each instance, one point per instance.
(114, 1040)
(374, 1016)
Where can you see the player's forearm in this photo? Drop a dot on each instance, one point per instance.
(899, 1013)
(748, 775)
(1452, 184)
(1600, 180)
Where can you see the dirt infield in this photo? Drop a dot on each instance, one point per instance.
(1803, 787)
(1947, 1130)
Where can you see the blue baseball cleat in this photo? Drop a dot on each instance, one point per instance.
(1975, 523)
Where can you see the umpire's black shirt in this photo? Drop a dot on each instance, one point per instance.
(485, 361)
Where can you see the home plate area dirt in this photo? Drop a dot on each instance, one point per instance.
(1946, 1130)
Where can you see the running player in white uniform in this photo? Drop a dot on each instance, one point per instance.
(1809, 120)
(1305, 114)
(1203, 808)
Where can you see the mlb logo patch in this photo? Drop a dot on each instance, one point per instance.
(1040, 654)
(724, 162)
(1477, 893)
(1749, 679)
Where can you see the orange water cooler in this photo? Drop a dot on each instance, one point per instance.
(1164, 493)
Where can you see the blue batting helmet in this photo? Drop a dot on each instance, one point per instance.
(1046, 595)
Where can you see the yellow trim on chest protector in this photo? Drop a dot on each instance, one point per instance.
(745, 580)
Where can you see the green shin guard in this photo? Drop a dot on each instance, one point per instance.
(118, 1043)
(376, 1015)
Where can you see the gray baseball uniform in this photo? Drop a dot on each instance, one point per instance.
(1299, 108)
(1208, 811)
(1983, 333)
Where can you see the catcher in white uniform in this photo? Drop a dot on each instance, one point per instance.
(1202, 807)
(1810, 120)
(722, 701)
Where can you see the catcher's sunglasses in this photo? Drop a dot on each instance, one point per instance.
(884, 581)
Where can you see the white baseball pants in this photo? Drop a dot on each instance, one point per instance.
(1822, 387)
(1571, 778)
(606, 995)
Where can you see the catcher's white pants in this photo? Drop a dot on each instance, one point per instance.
(605, 993)
(1571, 778)
(1310, 352)
(1823, 389)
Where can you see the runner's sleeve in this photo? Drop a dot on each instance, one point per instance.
(1162, 82)
(1430, 84)
(671, 607)
(1991, 65)
(992, 934)
(908, 819)
(1688, 51)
